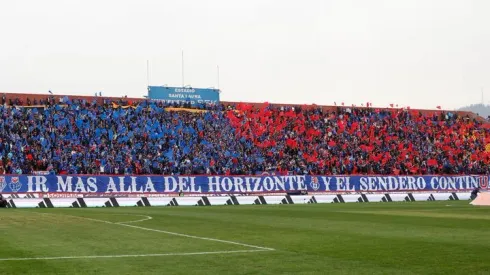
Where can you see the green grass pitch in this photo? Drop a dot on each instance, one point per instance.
(373, 238)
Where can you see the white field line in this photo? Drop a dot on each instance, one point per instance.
(142, 220)
(170, 233)
(131, 256)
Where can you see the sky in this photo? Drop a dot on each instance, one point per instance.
(417, 53)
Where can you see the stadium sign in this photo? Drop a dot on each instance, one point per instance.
(194, 96)
(235, 184)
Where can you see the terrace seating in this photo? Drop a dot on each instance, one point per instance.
(80, 137)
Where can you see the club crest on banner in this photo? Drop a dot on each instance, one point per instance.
(3, 183)
(483, 182)
(315, 183)
(15, 184)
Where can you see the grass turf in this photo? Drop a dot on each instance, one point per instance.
(373, 238)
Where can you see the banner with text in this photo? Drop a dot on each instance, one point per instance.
(194, 96)
(235, 184)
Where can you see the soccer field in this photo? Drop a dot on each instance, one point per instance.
(449, 237)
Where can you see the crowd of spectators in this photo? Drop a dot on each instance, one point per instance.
(80, 137)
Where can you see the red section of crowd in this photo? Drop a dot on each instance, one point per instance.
(365, 141)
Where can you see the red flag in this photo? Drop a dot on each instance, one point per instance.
(438, 107)
(292, 143)
(432, 162)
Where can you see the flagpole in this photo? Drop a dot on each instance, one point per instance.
(482, 101)
(183, 69)
(218, 75)
(147, 73)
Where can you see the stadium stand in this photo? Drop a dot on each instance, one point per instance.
(95, 135)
